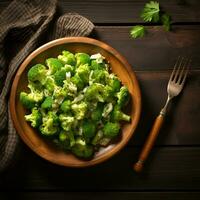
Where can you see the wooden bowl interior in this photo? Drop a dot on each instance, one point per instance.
(39, 144)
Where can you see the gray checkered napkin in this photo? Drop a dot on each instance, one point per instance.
(22, 26)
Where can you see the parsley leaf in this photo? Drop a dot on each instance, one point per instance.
(150, 13)
(166, 21)
(137, 31)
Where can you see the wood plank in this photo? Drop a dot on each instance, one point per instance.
(181, 126)
(168, 169)
(117, 11)
(158, 49)
(101, 195)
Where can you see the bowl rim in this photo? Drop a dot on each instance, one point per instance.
(106, 47)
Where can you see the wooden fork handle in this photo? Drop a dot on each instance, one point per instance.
(149, 143)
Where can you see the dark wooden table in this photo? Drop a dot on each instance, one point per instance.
(173, 169)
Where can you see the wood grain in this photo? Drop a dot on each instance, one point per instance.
(117, 11)
(168, 168)
(158, 50)
(101, 195)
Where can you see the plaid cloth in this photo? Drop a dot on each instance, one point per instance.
(22, 26)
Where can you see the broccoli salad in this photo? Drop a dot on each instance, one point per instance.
(75, 101)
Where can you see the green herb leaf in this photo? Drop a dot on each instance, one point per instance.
(137, 31)
(166, 21)
(150, 13)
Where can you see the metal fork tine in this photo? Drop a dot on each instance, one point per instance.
(174, 70)
(185, 75)
(180, 78)
(178, 70)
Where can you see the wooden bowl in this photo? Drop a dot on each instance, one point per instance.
(74, 44)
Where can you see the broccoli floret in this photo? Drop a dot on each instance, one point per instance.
(66, 121)
(49, 126)
(50, 84)
(54, 65)
(114, 83)
(95, 92)
(29, 100)
(97, 137)
(95, 65)
(89, 129)
(59, 93)
(60, 76)
(82, 150)
(78, 82)
(35, 94)
(98, 76)
(47, 103)
(107, 109)
(109, 94)
(70, 88)
(82, 58)
(111, 130)
(26, 100)
(123, 96)
(67, 58)
(105, 141)
(79, 110)
(97, 113)
(65, 106)
(35, 118)
(66, 139)
(118, 115)
(83, 72)
(37, 73)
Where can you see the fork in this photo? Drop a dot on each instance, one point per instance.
(175, 86)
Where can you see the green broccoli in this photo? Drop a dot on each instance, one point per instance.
(123, 96)
(98, 76)
(111, 129)
(66, 139)
(29, 100)
(96, 114)
(89, 129)
(35, 118)
(96, 66)
(107, 109)
(70, 88)
(59, 92)
(66, 121)
(26, 100)
(118, 115)
(50, 84)
(67, 58)
(78, 82)
(54, 65)
(79, 110)
(83, 72)
(65, 106)
(82, 150)
(97, 138)
(60, 76)
(47, 103)
(35, 93)
(95, 92)
(114, 82)
(37, 73)
(50, 124)
(82, 58)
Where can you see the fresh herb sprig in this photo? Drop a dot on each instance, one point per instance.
(151, 13)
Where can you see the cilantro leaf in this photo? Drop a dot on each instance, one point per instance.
(166, 21)
(137, 31)
(150, 13)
